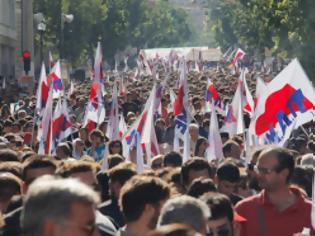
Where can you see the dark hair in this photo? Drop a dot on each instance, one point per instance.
(194, 164)
(112, 143)
(97, 133)
(285, 159)
(227, 147)
(139, 191)
(8, 155)
(35, 163)
(228, 171)
(199, 141)
(200, 186)
(68, 168)
(121, 174)
(114, 160)
(173, 159)
(303, 176)
(219, 204)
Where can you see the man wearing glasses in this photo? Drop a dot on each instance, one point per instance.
(278, 209)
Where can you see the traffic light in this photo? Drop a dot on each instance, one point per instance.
(27, 61)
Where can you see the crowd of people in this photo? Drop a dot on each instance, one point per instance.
(69, 194)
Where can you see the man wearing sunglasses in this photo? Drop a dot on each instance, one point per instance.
(278, 209)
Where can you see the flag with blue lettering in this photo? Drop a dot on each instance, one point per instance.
(144, 127)
(181, 103)
(61, 125)
(289, 101)
(55, 79)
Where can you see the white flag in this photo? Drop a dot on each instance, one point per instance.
(214, 150)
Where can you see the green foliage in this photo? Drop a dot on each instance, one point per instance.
(286, 26)
(118, 23)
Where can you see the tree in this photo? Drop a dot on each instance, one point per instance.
(286, 26)
(117, 23)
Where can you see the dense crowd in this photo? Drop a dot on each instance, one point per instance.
(69, 194)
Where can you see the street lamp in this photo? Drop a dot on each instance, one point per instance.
(41, 27)
(65, 18)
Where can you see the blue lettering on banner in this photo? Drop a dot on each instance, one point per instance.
(295, 102)
(181, 122)
(296, 98)
(283, 121)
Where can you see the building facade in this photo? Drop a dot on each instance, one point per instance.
(7, 38)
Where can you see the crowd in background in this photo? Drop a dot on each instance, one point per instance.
(270, 195)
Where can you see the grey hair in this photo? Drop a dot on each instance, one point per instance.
(51, 198)
(186, 210)
(193, 126)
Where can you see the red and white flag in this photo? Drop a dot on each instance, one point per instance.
(288, 101)
(213, 96)
(233, 122)
(239, 55)
(95, 111)
(181, 111)
(55, 78)
(61, 125)
(122, 126)
(214, 150)
(144, 126)
(44, 134)
(247, 99)
(113, 125)
(42, 91)
(139, 153)
(145, 67)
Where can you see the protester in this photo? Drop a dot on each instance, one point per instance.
(222, 219)
(59, 207)
(141, 200)
(228, 178)
(201, 186)
(195, 168)
(277, 204)
(186, 210)
(118, 176)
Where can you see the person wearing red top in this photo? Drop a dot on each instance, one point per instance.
(278, 209)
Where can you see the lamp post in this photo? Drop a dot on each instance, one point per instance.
(41, 27)
(65, 18)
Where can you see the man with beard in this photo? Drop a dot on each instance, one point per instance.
(141, 200)
(277, 204)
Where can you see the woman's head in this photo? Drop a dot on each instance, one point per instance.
(97, 137)
(201, 146)
(115, 147)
